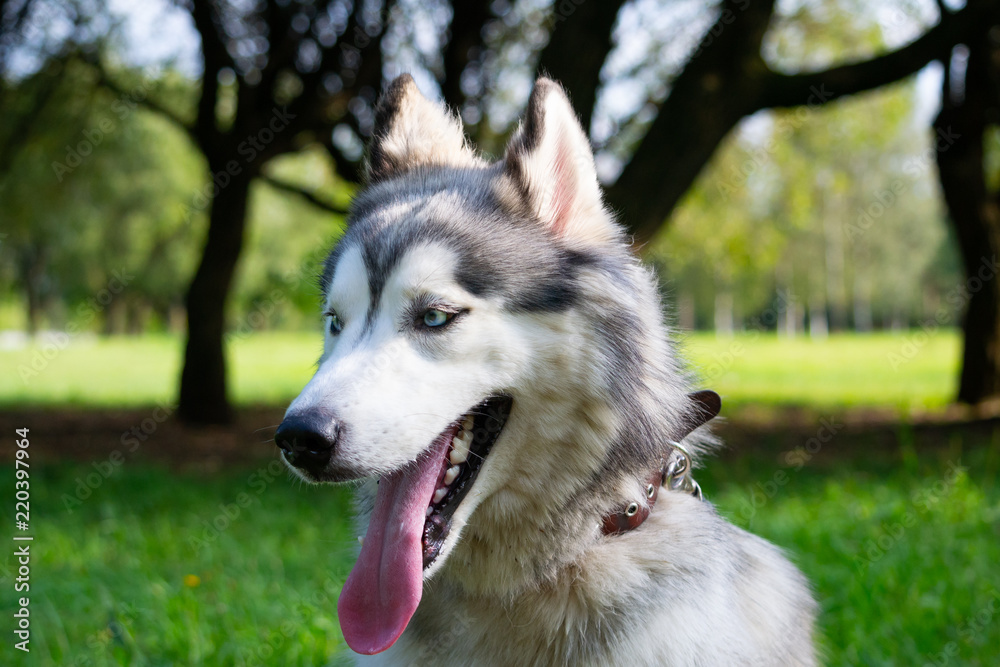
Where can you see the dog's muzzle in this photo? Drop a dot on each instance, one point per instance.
(308, 439)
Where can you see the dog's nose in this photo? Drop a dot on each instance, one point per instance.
(307, 439)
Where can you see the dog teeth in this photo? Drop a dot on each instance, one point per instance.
(430, 510)
(468, 424)
(460, 448)
(451, 474)
(439, 495)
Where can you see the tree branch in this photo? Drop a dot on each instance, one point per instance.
(787, 90)
(719, 85)
(104, 79)
(308, 195)
(727, 79)
(215, 57)
(349, 170)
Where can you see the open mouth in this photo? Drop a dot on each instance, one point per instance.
(411, 519)
(471, 442)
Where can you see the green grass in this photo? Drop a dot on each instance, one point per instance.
(265, 368)
(904, 370)
(901, 549)
(902, 553)
(898, 371)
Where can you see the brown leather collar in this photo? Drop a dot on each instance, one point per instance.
(674, 471)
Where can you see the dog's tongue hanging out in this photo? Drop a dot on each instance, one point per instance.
(384, 588)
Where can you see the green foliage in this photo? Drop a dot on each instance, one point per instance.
(102, 188)
(93, 198)
(835, 207)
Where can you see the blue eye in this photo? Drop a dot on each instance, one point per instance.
(336, 326)
(437, 318)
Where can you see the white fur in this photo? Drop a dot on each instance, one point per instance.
(562, 180)
(423, 132)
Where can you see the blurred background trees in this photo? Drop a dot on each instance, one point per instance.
(731, 136)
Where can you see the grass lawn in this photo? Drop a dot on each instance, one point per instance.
(903, 371)
(156, 568)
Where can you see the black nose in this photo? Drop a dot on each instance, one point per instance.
(307, 439)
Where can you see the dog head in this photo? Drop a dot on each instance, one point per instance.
(481, 327)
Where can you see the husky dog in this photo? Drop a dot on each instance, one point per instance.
(497, 373)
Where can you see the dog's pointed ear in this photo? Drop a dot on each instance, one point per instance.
(550, 161)
(412, 131)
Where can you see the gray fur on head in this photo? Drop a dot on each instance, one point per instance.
(533, 229)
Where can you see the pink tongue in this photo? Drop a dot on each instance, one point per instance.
(384, 588)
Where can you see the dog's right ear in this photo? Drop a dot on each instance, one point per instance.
(550, 162)
(412, 131)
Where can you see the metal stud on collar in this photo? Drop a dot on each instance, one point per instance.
(632, 509)
(677, 472)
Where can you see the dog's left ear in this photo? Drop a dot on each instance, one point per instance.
(412, 131)
(550, 161)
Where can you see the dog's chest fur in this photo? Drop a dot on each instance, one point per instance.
(685, 589)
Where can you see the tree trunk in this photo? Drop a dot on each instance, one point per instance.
(960, 130)
(33, 275)
(721, 84)
(203, 398)
(723, 320)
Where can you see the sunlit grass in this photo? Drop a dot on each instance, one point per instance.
(265, 368)
(905, 370)
(900, 371)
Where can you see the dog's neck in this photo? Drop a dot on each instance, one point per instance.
(529, 532)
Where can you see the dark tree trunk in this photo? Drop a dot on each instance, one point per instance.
(721, 84)
(33, 274)
(966, 107)
(465, 42)
(203, 398)
(577, 49)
